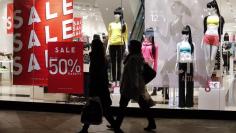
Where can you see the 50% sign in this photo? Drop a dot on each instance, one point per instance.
(64, 66)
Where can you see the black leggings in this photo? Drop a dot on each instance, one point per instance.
(186, 76)
(116, 54)
(142, 104)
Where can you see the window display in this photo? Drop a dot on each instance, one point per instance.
(190, 44)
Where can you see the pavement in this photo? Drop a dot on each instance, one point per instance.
(45, 122)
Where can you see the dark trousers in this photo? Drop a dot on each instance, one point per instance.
(107, 114)
(142, 104)
(186, 77)
(116, 54)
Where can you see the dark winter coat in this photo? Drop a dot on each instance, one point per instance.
(99, 80)
(132, 83)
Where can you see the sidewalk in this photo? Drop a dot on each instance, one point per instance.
(42, 122)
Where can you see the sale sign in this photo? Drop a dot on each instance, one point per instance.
(37, 22)
(10, 18)
(77, 27)
(65, 61)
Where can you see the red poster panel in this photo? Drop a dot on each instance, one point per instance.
(10, 18)
(77, 27)
(43, 21)
(65, 61)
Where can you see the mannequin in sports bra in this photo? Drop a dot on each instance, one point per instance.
(184, 67)
(213, 29)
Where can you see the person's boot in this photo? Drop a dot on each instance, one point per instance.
(154, 92)
(84, 129)
(151, 125)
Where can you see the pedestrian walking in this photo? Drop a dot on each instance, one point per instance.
(98, 86)
(133, 85)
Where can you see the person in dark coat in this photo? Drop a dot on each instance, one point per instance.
(133, 85)
(99, 80)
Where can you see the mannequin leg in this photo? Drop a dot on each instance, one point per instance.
(190, 86)
(207, 51)
(119, 60)
(113, 62)
(213, 56)
(182, 85)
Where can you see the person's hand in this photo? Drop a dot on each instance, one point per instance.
(126, 51)
(107, 51)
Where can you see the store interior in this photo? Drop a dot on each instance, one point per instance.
(96, 16)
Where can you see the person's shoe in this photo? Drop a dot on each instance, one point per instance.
(110, 127)
(118, 130)
(150, 127)
(83, 131)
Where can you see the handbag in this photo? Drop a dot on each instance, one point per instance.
(92, 111)
(148, 73)
(148, 99)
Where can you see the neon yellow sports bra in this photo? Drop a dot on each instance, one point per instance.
(213, 20)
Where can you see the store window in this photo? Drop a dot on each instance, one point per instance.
(30, 58)
(197, 74)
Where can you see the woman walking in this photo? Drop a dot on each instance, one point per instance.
(133, 85)
(99, 80)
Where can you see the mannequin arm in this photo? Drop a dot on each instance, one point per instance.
(126, 39)
(177, 60)
(109, 37)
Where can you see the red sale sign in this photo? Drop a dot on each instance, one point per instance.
(65, 61)
(77, 27)
(37, 22)
(10, 18)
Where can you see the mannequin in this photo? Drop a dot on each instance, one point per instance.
(184, 67)
(150, 51)
(226, 53)
(213, 29)
(117, 43)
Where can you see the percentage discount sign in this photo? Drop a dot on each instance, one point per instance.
(75, 66)
(65, 63)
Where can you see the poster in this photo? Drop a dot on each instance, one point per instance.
(168, 17)
(37, 22)
(65, 61)
(10, 18)
(77, 27)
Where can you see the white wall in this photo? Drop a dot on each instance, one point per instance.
(6, 41)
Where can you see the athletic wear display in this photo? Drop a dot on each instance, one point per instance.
(184, 52)
(211, 40)
(213, 20)
(186, 81)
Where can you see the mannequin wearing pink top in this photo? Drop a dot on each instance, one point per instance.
(148, 55)
(150, 51)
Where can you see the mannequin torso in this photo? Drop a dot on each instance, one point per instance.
(184, 52)
(212, 24)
